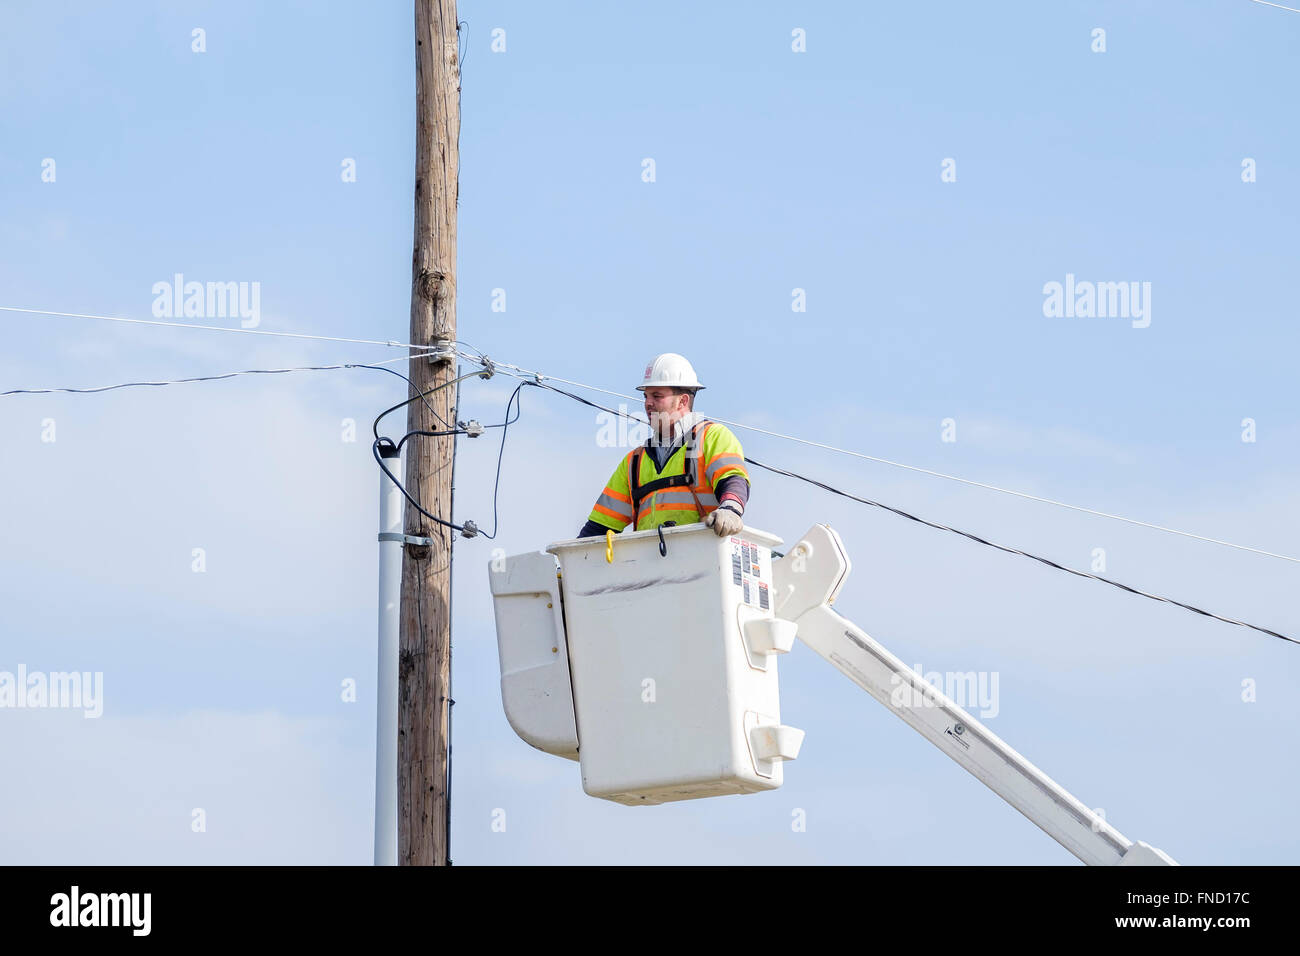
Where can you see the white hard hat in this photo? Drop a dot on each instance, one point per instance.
(671, 371)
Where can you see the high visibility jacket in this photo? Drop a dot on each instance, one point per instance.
(682, 492)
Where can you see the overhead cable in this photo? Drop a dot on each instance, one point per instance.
(540, 377)
(462, 428)
(1047, 561)
(468, 529)
(941, 527)
(374, 427)
(1278, 5)
(215, 328)
(377, 366)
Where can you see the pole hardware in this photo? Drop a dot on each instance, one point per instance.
(444, 350)
(405, 538)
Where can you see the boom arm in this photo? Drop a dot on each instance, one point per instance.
(807, 581)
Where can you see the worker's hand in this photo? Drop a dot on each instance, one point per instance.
(724, 521)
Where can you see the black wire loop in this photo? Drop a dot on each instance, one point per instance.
(663, 548)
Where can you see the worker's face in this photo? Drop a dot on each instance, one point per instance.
(663, 408)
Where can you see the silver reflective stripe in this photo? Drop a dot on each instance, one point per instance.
(726, 461)
(613, 504)
(682, 498)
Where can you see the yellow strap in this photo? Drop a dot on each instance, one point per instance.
(609, 546)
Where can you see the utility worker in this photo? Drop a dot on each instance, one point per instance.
(690, 469)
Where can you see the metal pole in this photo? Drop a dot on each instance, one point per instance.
(391, 542)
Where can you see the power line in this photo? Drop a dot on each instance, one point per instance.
(215, 328)
(932, 524)
(374, 427)
(505, 427)
(389, 343)
(538, 376)
(1048, 562)
(482, 359)
(1278, 5)
(470, 529)
(378, 366)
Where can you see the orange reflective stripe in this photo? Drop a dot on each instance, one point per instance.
(674, 504)
(699, 435)
(622, 519)
(681, 504)
(617, 494)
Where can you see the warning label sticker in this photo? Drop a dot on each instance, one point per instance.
(747, 571)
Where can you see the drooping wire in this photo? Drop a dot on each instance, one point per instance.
(1279, 6)
(428, 434)
(420, 395)
(468, 529)
(538, 376)
(215, 328)
(379, 367)
(209, 378)
(1008, 550)
(374, 449)
(496, 484)
(505, 427)
(519, 372)
(941, 527)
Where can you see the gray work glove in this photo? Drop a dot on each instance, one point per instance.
(725, 521)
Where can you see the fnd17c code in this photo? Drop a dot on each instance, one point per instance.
(1213, 896)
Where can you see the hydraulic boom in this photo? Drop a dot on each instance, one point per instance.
(807, 581)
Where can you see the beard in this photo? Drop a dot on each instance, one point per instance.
(661, 426)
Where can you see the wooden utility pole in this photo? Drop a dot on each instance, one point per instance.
(424, 664)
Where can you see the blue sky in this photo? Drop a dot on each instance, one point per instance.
(774, 170)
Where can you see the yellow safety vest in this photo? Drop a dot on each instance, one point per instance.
(682, 493)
